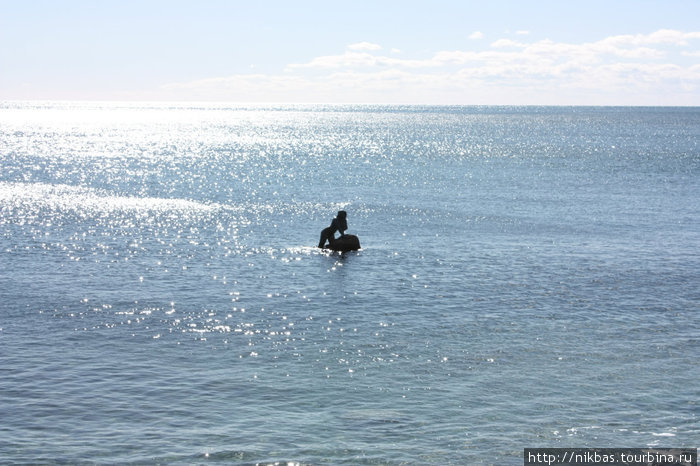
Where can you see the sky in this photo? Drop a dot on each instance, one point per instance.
(488, 52)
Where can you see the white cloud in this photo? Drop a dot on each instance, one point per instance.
(500, 43)
(522, 33)
(356, 60)
(364, 46)
(476, 35)
(624, 68)
(346, 60)
(662, 36)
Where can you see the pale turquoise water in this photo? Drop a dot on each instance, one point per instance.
(529, 278)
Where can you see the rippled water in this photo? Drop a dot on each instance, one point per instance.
(529, 278)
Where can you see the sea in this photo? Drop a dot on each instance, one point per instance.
(529, 277)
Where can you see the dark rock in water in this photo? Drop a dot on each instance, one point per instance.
(345, 243)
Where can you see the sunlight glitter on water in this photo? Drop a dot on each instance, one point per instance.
(168, 252)
(38, 196)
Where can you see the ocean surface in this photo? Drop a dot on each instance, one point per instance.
(529, 277)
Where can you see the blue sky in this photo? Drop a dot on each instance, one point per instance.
(429, 52)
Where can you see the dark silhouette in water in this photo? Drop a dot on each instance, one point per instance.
(345, 242)
(338, 224)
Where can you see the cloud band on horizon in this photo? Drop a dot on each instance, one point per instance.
(639, 69)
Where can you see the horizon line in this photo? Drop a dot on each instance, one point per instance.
(339, 104)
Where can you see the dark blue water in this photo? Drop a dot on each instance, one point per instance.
(529, 278)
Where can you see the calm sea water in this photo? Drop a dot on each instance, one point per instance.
(529, 278)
